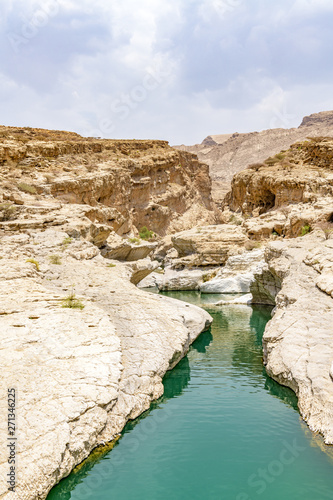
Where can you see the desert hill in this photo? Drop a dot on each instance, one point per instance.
(228, 154)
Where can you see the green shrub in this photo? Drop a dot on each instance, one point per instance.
(72, 302)
(23, 186)
(35, 262)
(55, 259)
(305, 230)
(145, 234)
(209, 276)
(111, 265)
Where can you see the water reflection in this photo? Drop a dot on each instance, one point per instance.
(219, 421)
(175, 381)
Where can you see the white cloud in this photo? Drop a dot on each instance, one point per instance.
(178, 70)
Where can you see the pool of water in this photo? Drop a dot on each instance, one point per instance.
(222, 430)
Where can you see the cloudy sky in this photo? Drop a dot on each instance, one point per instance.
(170, 69)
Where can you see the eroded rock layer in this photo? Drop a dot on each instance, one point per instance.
(125, 184)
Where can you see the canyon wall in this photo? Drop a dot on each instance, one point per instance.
(128, 184)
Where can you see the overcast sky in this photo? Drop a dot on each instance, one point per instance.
(169, 69)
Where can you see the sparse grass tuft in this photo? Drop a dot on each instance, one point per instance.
(55, 259)
(27, 188)
(209, 276)
(136, 241)
(235, 220)
(72, 302)
(111, 265)
(35, 262)
(66, 241)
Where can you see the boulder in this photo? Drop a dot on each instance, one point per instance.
(210, 245)
(186, 279)
(237, 275)
(151, 281)
(129, 249)
(245, 300)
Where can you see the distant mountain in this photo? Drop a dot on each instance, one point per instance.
(228, 154)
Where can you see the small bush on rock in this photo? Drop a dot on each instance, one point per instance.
(235, 220)
(66, 242)
(305, 230)
(145, 234)
(72, 302)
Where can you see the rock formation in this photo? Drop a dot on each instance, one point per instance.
(84, 347)
(123, 185)
(237, 275)
(87, 349)
(287, 203)
(298, 341)
(228, 154)
(80, 372)
(209, 245)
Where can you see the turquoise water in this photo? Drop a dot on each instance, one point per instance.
(222, 430)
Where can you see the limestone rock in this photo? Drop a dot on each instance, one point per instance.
(126, 184)
(129, 249)
(210, 245)
(80, 373)
(245, 300)
(298, 341)
(303, 174)
(237, 275)
(186, 279)
(151, 281)
(140, 269)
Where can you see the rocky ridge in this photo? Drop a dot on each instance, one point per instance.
(285, 205)
(228, 154)
(123, 185)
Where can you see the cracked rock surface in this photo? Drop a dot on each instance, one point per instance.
(80, 374)
(298, 341)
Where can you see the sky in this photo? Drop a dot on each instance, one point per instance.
(177, 70)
